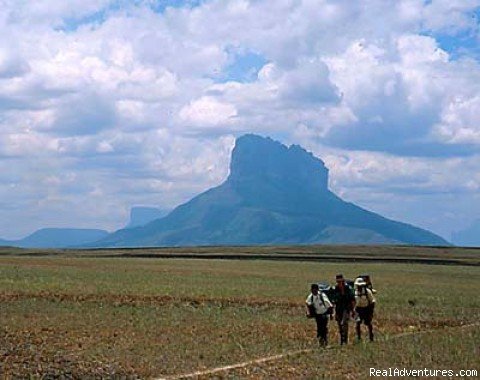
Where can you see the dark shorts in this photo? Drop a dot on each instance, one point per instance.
(365, 314)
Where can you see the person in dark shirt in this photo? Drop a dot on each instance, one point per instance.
(344, 299)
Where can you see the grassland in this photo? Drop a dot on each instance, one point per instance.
(336, 253)
(153, 317)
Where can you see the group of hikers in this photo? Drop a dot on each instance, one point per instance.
(346, 300)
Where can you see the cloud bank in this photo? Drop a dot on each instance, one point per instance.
(108, 104)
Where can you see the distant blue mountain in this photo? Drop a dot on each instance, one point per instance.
(57, 238)
(139, 216)
(74, 237)
(273, 195)
(469, 237)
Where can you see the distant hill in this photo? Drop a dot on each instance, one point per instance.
(273, 195)
(139, 216)
(57, 238)
(469, 237)
(4, 243)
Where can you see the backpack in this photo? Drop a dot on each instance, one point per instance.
(325, 289)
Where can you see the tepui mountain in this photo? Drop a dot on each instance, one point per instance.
(274, 194)
(74, 237)
(57, 238)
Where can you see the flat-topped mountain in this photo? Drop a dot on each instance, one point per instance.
(257, 160)
(57, 238)
(274, 195)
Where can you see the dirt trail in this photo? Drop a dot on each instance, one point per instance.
(291, 353)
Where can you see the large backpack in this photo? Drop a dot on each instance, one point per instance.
(329, 291)
(325, 288)
(350, 284)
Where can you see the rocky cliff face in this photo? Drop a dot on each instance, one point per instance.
(256, 160)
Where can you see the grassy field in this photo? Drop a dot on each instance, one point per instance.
(361, 253)
(156, 317)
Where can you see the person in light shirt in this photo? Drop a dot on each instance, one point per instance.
(364, 306)
(320, 308)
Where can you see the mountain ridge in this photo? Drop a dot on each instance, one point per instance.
(141, 215)
(274, 194)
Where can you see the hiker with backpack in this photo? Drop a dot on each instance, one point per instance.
(343, 297)
(368, 281)
(365, 303)
(320, 308)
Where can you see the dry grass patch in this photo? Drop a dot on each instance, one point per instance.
(454, 349)
(143, 317)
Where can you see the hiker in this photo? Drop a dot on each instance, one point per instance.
(344, 300)
(368, 281)
(320, 308)
(365, 303)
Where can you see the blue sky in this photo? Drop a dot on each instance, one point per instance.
(244, 67)
(107, 104)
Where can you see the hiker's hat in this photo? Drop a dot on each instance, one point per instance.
(360, 282)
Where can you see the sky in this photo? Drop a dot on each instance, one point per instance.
(109, 104)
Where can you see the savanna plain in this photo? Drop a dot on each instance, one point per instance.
(79, 314)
